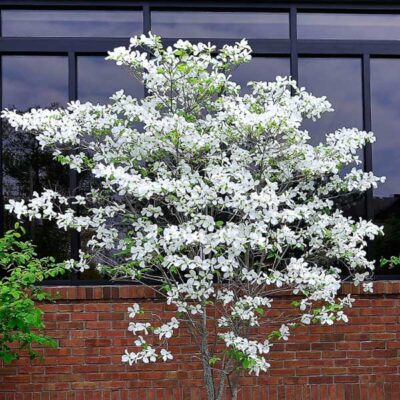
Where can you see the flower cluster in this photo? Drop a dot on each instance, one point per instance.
(216, 195)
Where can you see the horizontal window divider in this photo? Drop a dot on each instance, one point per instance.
(60, 45)
(223, 6)
(354, 6)
(267, 46)
(309, 6)
(73, 4)
(348, 47)
(103, 45)
(86, 282)
(104, 282)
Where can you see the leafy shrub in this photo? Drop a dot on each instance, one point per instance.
(20, 320)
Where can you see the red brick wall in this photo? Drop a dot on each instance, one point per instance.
(358, 360)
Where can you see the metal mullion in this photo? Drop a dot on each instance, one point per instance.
(317, 6)
(259, 46)
(72, 4)
(73, 175)
(274, 46)
(2, 227)
(36, 45)
(146, 30)
(102, 45)
(348, 47)
(146, 18)
(311, 5)
(367, 125)
(294, 61)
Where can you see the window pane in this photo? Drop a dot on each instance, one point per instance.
(261, 69)
(217, 24)
(69, 23)
(340, 80)
(385, 92)
(33, 81)
(98, 79)
(348, 26)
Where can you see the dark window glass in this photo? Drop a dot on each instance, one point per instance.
(217, 24)
(98, 79)
(385, 91)
(33, 81)
(340, 80)
(261, 69)
(71, 23)
(348, 26)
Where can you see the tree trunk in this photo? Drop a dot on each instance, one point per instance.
(221, 388)
(233, 383)
(205, 355)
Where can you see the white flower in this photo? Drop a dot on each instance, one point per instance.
(139, 327)
(165, 355)
(340, 316)
(306, 319)
(284, 332)
(139, 342)
(217, 197)
(166, 330)
(133, 310)
(368, 287)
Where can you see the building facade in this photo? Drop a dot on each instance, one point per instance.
(52, 52)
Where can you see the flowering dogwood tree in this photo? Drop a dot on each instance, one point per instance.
(216, 196)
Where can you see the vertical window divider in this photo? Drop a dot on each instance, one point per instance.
(2, 227)
(1, 152)
(146, 18)
(294, 62)
(146, 28)
(73, 175)
(367, 126)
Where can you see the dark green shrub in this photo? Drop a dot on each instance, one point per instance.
(21, 321)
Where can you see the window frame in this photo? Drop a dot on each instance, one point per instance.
(72, 47)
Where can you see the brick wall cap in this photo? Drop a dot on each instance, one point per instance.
(137, 292)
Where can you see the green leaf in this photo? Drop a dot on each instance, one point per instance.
(213, 360)
(20, 320)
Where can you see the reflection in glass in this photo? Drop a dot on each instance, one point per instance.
(71, 23)
(385, 96)
(340, 80)
(217, 24)
(98, 79)
(33, 81)
(261, 69)
(348, 26)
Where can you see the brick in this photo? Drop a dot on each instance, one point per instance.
(85, 316)
(358, 360)
(320, 380)
(97, 307)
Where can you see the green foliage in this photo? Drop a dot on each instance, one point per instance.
(20, 320)
(392, 261)
(241, 358)
(213, 360)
